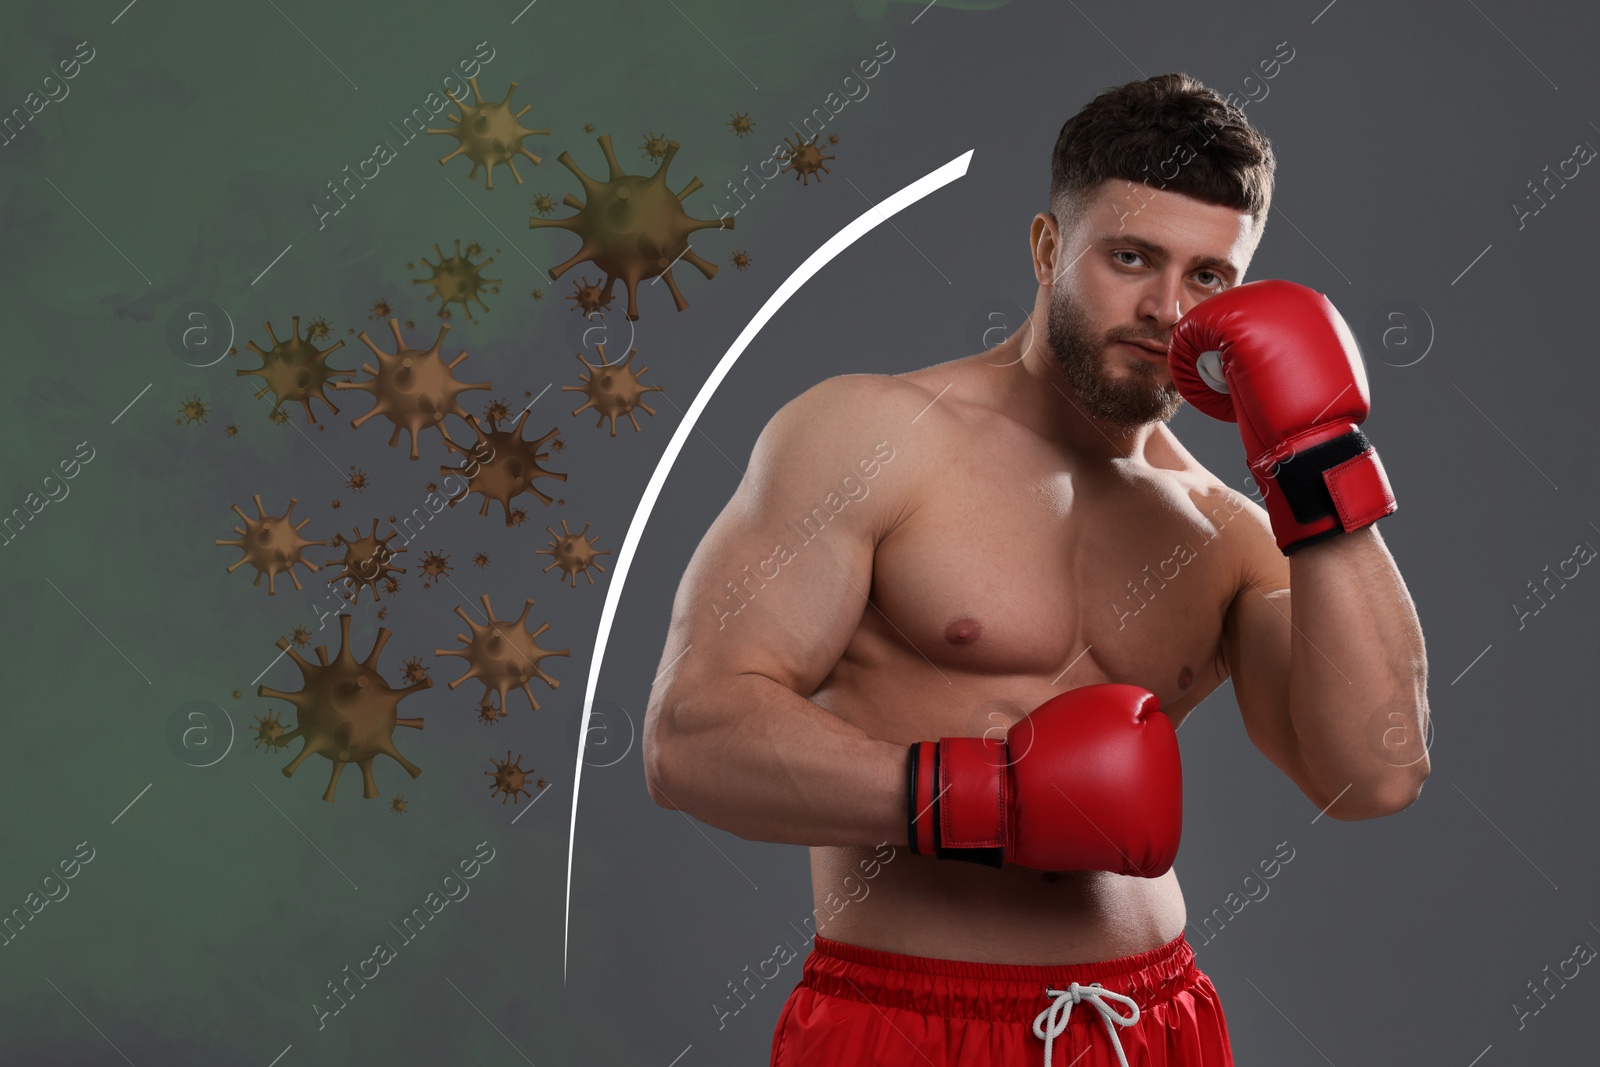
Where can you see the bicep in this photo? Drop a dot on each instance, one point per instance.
(778, 584)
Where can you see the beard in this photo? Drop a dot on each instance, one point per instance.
(1125, 402)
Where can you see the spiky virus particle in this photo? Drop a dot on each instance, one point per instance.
(480, 560)
(741, 260)
(488, 133)
(558, 445)
(804, 158)
(510, 471)
(456, 279)
(193, 410)
(740, 124)
(587, 297)
(435, 565)
(509, 778)
(279, 416)
(502, 654)
(573, 552)
(367, 561)
(231, 430)
(537, 294)
(488, 714)
(392, 585)
(397, 804)
(412, 670)
(238, 693)
(383, 613)
(833, 138)
(588, 127)
(271, 544)
(269, 732)
(413, 389)
(544, 204)
(496, 411)
(345, 711)
(655, 146)
(319, 327)
(633, 227)
(336, 503)
(613, 390)
(518, 516)
(301, 635)
(380, 310)
(357, 480)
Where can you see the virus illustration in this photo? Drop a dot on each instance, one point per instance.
(238, 694)
(432, 487)
(544, 204)
(231, 430)
(413, 670)
(496, 411)
(397, 804)
(279, 416)
(573, 552)
(613, 390)
(383, 613)
(319, 328)
(301, 636)
(481, 560)
(509, 778)
(269, 732)
(357, 480)
(833, 138)
(413, 389)
(380, 310)
(511, 470)
(537, 294)
(457, 279)
(633, 227)
(558, 445)
(392, 585)
(336, 503)
(804, 158)
(740, 124)
(655, 146)
(367, 561)
(488, 714)
(588, 127)
(488, 134)
(502, 654)
(741, 260)
(346, 712)
(194, 410)
(518, 516)
(587, 298)
(271, 544)
(435, 565)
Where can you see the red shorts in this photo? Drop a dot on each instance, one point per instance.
(860, 1006)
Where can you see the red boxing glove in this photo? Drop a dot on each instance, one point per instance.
(1278, 359)
(1090, 780)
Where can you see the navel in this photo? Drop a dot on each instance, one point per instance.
(963, 631)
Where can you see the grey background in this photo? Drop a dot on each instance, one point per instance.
(209, 921)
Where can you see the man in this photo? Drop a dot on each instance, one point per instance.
(1025, 564)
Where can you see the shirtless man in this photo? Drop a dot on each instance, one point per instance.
(943, 554)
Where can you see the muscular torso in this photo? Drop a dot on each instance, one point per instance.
(1005, 582)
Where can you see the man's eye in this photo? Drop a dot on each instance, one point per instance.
(1135, 255)
(1214, 274)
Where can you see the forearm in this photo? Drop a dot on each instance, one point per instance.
(753, 758)
(1358, 675)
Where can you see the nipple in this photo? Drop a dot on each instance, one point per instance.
(963, 631)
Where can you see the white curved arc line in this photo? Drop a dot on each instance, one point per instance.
(857, 229)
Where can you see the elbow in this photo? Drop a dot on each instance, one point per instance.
(657, 757)
(1389, 798)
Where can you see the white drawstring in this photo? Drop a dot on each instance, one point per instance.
(1053, 1020)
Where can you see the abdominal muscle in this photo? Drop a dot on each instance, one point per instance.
(893, 901)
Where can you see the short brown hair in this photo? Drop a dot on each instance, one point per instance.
(1170, 131)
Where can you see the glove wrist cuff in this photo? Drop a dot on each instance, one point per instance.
(1323, 490)
(958, 799)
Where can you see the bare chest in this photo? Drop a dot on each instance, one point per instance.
(1059, 578)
